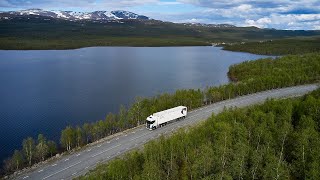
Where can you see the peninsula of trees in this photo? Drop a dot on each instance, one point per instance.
(278, 47)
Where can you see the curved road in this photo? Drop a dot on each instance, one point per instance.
(78, 163)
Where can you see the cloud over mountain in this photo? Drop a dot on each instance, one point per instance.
(280, 14)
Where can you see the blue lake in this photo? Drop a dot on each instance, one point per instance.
(43, 91)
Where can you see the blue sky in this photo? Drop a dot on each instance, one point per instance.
(279, 14)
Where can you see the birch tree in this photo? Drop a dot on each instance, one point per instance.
(42, 147)
(29, 149)
(17, 159)
(68, 138)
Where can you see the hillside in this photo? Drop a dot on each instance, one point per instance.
(39, 31)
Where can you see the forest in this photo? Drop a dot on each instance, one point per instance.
(279, 139)
(248, 77)
(278, 47)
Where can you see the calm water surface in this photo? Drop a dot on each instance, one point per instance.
(44, 91)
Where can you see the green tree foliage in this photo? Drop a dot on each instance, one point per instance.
(17, 159)
(253, 76)
(110, 123)
(15, 162)
(68, 139)
(304, 156)
(31, 152)
(42, 149)
(52, 148)
(260, 142)
(29, 149)
(80, 136)
(278, 47)
(122, 121)
(86, 131)
(135, 112)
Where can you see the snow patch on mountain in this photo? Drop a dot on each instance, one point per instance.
(109, 14)
(60, 14)
(72, 15)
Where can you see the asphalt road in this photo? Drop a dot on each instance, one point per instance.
(78, 163)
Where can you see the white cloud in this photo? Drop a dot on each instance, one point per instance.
(169, 3)
(288, 21)
(5, 3)
(85, 4)
(244, 8)
(280, 14)
(253, 3)
(261, 23)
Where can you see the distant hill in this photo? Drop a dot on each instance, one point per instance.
(40, 29)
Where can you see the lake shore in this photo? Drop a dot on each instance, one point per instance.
(83, 85)
(70, 44)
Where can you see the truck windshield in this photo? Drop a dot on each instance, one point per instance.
(150, 122)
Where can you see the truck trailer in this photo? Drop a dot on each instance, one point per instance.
(162, 118)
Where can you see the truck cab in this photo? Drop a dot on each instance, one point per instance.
(151, 123)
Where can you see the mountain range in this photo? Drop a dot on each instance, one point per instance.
(100, 16)
(73, 16)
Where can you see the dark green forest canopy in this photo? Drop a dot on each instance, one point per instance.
(279, 139)
(290, 70)
(49, 33)
(279, 47)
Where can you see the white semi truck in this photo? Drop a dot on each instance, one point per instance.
(162, 118)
